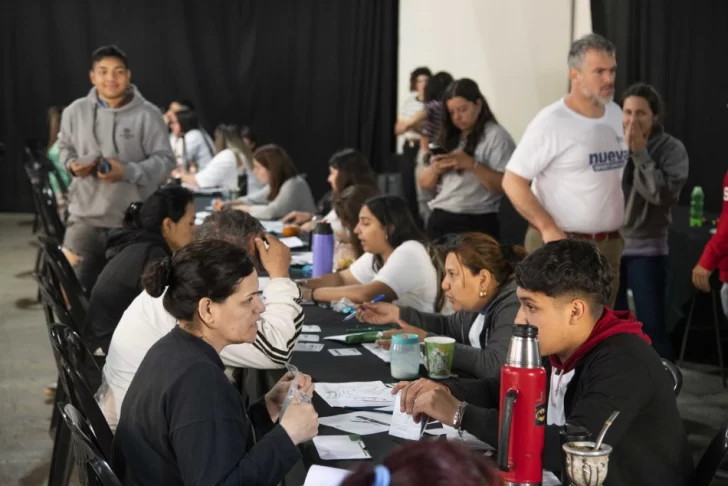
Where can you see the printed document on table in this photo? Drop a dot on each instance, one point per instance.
(363, 394)
(325, 476)
(403, 425)
(362, 423)
(340, 447)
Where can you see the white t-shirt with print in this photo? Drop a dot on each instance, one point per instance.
(408, 272)
(576, 165)
(222, 171)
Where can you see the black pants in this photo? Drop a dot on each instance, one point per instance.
(442, 223)
(407, 165)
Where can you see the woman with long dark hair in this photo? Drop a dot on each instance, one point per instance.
(476, 150)
(193, 147)
(347, 206)
(154, 229)
(398, 262)
(285, 189)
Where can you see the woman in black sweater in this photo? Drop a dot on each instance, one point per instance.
(152, 230)
(182, 422)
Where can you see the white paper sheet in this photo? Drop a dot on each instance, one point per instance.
(263, 283)
(272, 226)
(309, 338)
(377, 351)
(339, 447)
(550, 479)
(308, 347)
(342, 337)
(404, 425)
(292, 242)
(302, 258)
(361, 394)
(362, 423)
(325, 476)
(311, 328)
(468, 439)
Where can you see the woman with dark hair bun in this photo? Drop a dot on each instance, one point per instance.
(192, 146)
(181, 420)
(152, 230)
(439, 463)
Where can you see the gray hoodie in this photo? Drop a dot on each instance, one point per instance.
(133, 134)
(499, 317)
(652, 183)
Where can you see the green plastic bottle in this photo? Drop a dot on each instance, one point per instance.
(696, 207)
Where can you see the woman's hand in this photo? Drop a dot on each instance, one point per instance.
(458, 160)
(404, 328)
(277, 395)
(300, 422)
(377, 313)
(297, 217)
(701, 278)
(436, 404)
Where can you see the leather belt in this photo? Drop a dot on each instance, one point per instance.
(610, 235)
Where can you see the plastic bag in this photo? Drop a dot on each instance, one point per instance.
(294, 394)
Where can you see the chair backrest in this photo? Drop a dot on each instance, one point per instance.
(714, 462)
(63, 274)
(45, 200)
(66, 344)
(93, 467)
(677, 377)
(56, 309)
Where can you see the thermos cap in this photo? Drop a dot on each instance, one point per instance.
(323, 228)
(405, 339)
(525, 331)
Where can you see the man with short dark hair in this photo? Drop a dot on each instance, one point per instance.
(565, 176)
(599, 361)
(146, 320)
(115, 145)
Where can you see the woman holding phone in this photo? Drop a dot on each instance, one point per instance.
(476, 150)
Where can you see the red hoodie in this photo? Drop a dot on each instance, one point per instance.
(610, 324)
(715, 254)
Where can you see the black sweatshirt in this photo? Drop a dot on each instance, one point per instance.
(182, 422)
(623, 372)
(127, 251)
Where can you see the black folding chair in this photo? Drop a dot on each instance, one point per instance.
(72, 354)
(676, 374)
(93, 466)
(716, 326)
(58, 268)
(714, 463)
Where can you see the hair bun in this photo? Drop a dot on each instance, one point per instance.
(157, 276)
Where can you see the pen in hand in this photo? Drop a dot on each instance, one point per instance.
(376, 299)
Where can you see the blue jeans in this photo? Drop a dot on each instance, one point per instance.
(646, 276)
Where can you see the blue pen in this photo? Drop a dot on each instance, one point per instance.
(376, 299)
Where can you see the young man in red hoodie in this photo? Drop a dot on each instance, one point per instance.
(599, 361)
(715, 255)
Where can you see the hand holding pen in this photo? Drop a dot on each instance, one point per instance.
(377, 313)
(375, 301)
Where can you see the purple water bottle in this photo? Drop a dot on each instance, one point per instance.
(322, 244)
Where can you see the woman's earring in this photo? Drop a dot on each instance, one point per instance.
(483, 293)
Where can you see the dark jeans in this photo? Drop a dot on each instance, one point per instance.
(646, 276)
(408, 161)
(442, 223)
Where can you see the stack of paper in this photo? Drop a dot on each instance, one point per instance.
(363, 394)
(325, 476)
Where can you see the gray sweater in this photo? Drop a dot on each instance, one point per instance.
(294, 195)
(652, 183)
(500, 315)
(133, 134)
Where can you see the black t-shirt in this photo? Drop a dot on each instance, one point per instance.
(182, 422)
(623, 372)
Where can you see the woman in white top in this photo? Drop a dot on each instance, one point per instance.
(473, 152)
(286, 191)
(229, 161)
(396, 263)
(192, 146)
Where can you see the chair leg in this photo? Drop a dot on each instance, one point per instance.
(716, 324)
(62, 457)
(56, 414)
(687, 329)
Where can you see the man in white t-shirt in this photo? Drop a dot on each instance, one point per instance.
(573, 154)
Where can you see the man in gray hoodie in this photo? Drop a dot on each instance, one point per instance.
(115, 145)
(655, 174)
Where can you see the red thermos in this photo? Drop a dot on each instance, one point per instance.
(522, 410)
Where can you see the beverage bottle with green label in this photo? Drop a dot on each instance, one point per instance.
(696, 207)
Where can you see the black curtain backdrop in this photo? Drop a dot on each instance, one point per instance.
(678, 47)
(311, 75)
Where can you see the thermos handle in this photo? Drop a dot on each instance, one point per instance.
(504, 438)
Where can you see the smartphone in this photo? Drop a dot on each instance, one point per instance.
(437, 150)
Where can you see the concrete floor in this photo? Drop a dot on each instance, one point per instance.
(26, 367)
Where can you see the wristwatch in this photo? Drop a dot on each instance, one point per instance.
(457, 422)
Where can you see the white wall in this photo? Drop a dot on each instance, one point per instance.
(514, 49)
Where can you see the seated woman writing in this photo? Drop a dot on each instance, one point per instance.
(479, 283)
(286, 190)
(181, 420)
(397, 264)
(232, 157)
